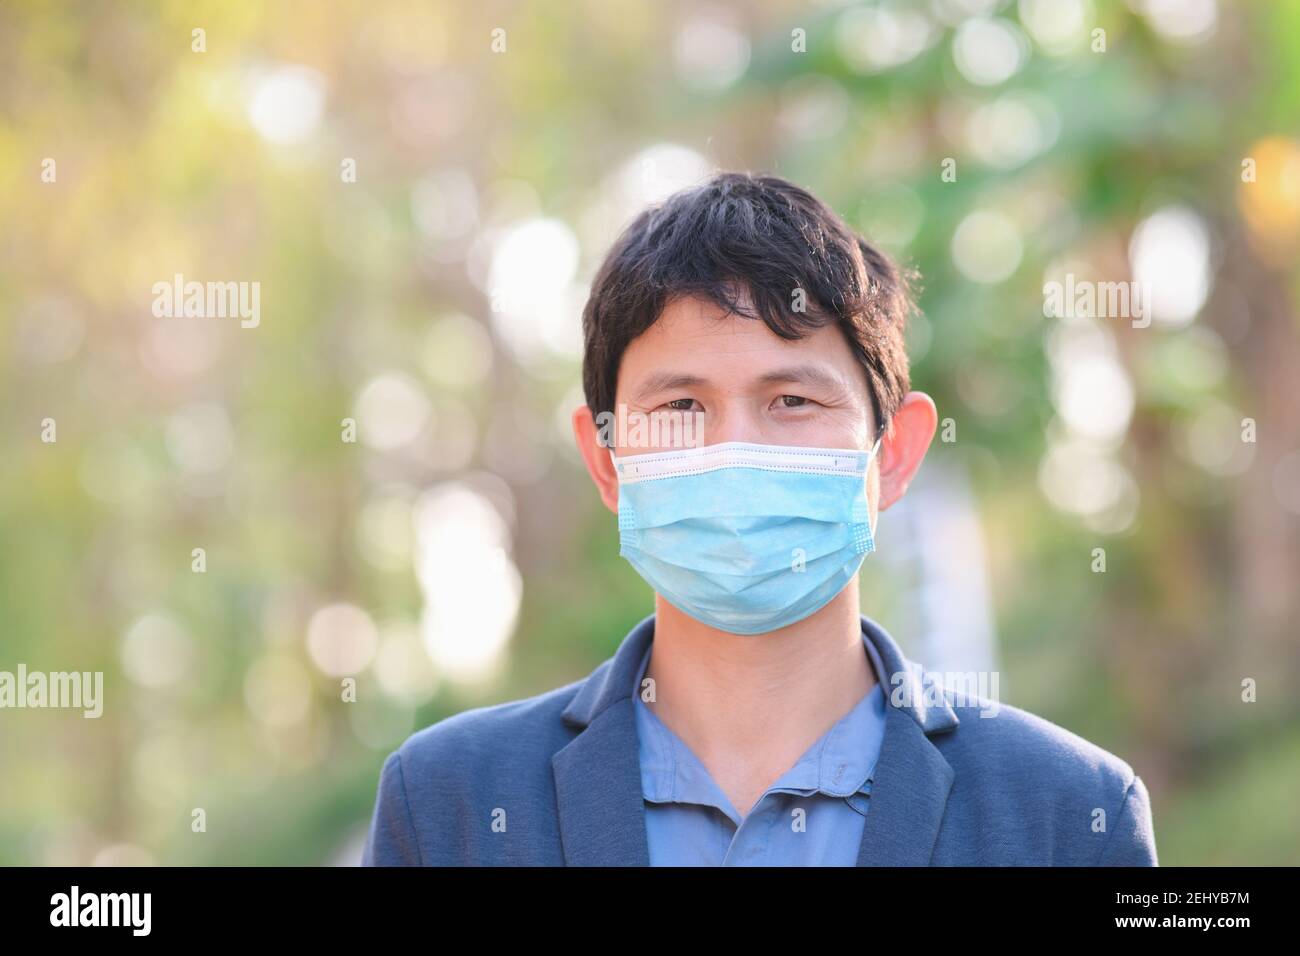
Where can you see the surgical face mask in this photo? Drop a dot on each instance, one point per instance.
(746, 538)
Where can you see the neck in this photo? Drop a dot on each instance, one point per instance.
(750, 705)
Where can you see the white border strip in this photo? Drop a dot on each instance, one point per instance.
(848, 462)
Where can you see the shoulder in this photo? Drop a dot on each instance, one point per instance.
(1040, 781)
(513, 733)
(1025, 746)
(464, 768)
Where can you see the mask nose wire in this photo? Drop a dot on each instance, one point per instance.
(874, 449)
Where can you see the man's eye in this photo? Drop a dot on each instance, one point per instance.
(680, 404)
(793, 401)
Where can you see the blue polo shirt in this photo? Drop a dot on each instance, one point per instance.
(811, 816)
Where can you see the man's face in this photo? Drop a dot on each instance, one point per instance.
(749, 383)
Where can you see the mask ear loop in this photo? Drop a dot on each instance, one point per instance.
(867, 543)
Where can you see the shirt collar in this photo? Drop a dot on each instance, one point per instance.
(611, 683)
(839, 763)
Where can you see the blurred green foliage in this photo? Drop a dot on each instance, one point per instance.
(225, 164)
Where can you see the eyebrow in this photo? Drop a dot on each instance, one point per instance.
(803, 375)
(667, 381)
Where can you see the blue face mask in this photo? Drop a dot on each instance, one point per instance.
(745, 538)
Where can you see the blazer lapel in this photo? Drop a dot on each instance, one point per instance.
(912, 779)
(908, 796)
(598, 773)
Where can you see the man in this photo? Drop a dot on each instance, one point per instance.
(757, 718)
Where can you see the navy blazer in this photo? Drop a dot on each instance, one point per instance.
(555, 780)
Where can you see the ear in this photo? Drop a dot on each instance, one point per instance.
(596, 457)
(904, 445)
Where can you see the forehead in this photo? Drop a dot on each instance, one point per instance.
(697, 338)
